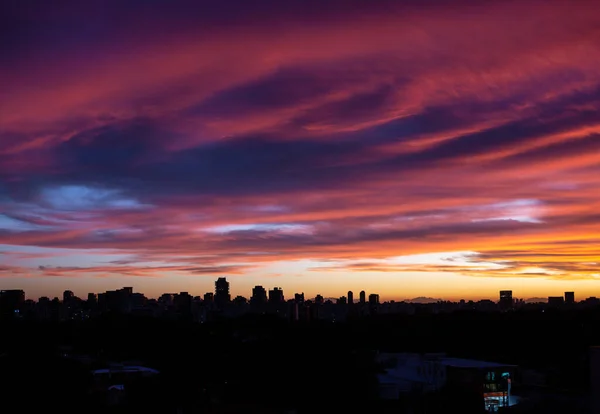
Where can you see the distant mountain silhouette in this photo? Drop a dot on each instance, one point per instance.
(423, 299)
(536, 300)
(325, 299)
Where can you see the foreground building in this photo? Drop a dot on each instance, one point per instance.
(407, 374)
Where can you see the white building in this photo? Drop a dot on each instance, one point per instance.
(407, 373)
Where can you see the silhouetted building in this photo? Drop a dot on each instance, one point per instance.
(68, 304)
(209, 297)
(373, 299)
(116, 300)
(350, 297)
(342, 300)
(138, 300)
(570, 298)
(468, 385)
(319, 300)
(276, 295)
(362, 297)
(299, 297)
(11, 301)
(259, 295)
(183, 303)
(42, 309)
(222, 296)
(556, 301)
(166, 300)
(506, 299)
(118, 377)
(315, 310)
(240, 300)
(258, 300)
(55, 309)
(68, 296)
(373, 303)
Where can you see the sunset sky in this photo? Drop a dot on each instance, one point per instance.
(446, 149)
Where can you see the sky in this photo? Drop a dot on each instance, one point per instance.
(405, 148)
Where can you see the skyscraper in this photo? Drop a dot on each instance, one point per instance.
(350, 297)
(373, 299)
(276, 295)
(570, 297)
(222, 296)
(373, 303)
(67, 296)
(319, 300)
(259, 295)
(363, 297)
(506, 299)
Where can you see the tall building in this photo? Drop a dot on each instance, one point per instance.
(299, 297)
(506, 299)
(276, 295)
(570, 297)
(92, 302)
(222, 296)
(116, 300)
(350, 297)
(259, 295)
(362, 297)
(183, 303)
(373, 303)
(68, 296)
(374, 299)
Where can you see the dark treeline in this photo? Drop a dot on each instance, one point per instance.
(267, 362)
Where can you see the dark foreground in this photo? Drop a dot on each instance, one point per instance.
(263, 365)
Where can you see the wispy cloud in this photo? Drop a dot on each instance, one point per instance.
(357, 134)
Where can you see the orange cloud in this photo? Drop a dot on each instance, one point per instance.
(233, 140)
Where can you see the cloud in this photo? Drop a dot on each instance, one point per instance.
(225, 138)
(12, 271)
(141, 271)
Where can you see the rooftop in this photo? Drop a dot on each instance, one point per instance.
(413, 359)
(125, 369)
(471, 363)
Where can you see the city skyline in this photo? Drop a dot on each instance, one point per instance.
(351, 296)
(447, 151)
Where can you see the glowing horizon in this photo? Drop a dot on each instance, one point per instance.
(447, 151)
